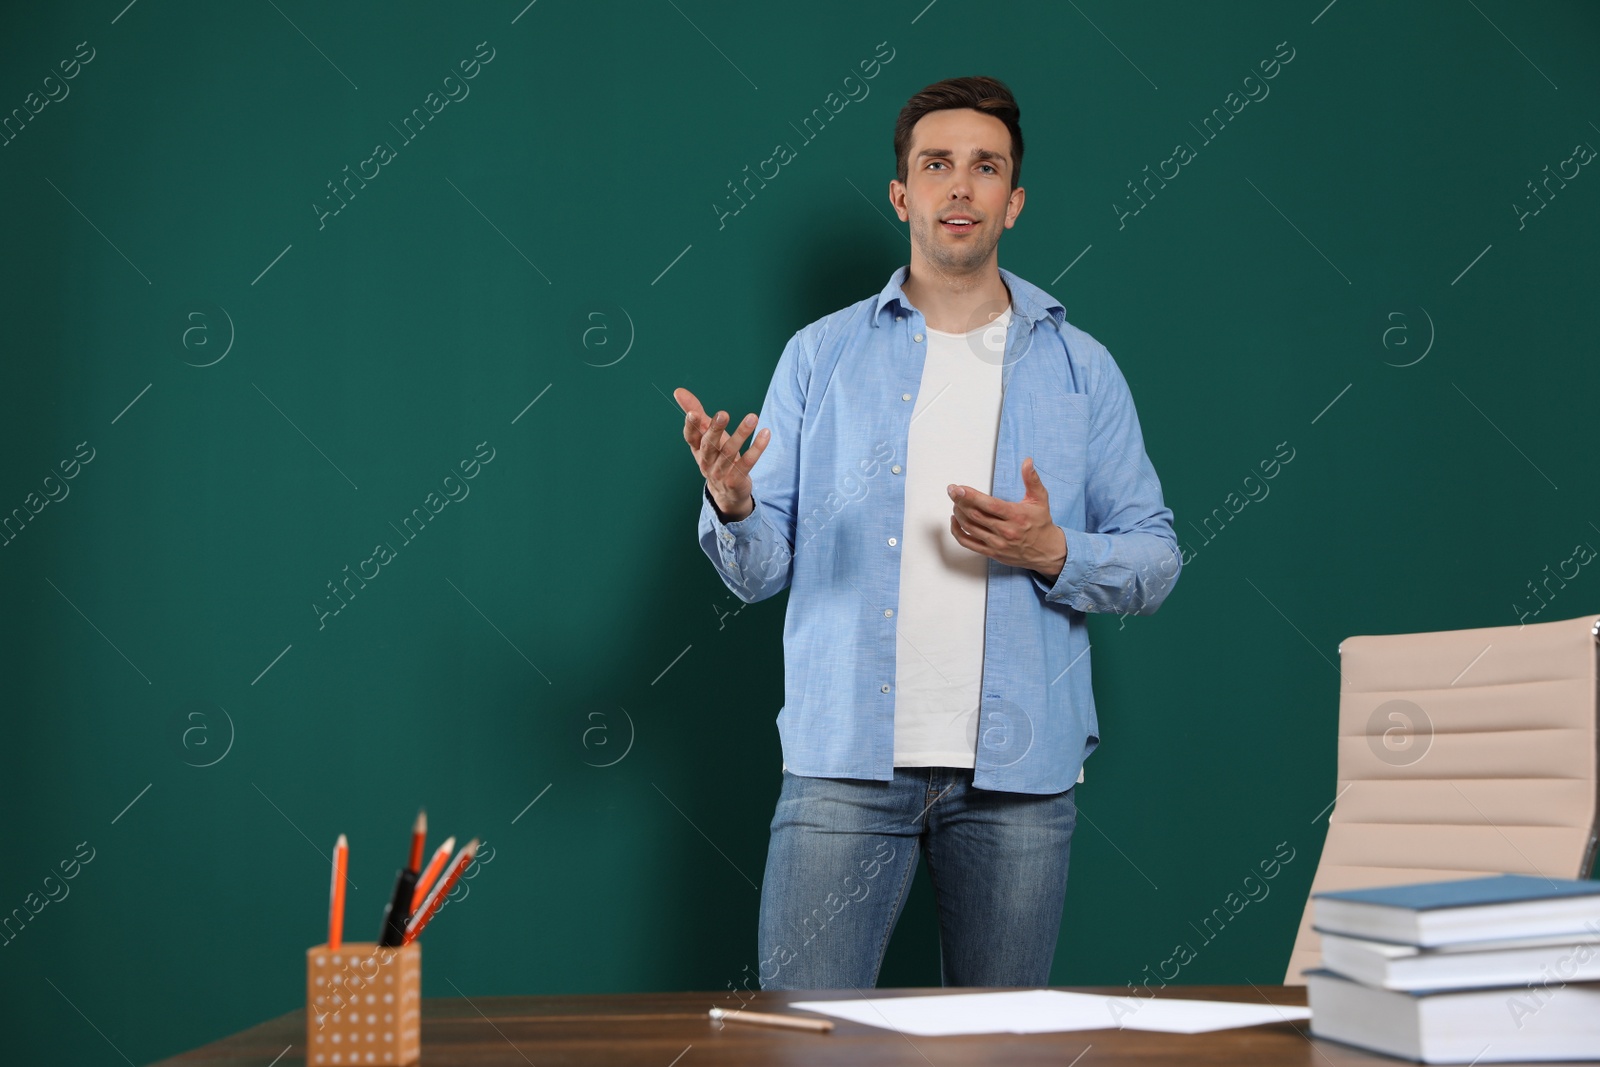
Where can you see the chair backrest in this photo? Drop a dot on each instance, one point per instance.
(1462, 753)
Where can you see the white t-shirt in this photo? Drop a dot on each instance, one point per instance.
(939, 621)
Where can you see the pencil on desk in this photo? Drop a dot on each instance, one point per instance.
(435, 865)
(765, 1018)
(341, 859)
(436, 898)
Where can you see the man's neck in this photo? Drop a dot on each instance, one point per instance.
(956, 303)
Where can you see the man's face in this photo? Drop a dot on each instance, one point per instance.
(958, 168)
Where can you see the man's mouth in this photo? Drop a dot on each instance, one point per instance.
(958, 223)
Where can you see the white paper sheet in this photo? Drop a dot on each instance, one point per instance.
(1038, 1011)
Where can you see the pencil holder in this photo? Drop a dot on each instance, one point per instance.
(363, 1004)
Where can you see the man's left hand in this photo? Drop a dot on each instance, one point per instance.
(1019, 534)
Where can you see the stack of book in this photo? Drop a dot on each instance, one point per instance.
(1479, 970)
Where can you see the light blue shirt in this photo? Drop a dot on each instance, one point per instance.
(830, 500)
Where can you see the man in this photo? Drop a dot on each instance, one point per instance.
(953, 476)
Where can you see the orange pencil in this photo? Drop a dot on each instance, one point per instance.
(435, 865)
(419, 834)
(436, 898)
(341, 860)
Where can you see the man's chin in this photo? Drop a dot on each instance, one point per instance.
(959, 261)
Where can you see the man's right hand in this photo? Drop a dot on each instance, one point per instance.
(726, 471)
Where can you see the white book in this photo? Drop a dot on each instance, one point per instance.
(1509, 1024)
(1466, 964)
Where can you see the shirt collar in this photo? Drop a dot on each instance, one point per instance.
(1029, 303)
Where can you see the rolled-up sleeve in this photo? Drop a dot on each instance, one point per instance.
(1126, 561)
(755, 555)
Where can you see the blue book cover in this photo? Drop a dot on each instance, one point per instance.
(1468, 892)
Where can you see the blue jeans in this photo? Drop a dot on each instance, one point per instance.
(842, 855)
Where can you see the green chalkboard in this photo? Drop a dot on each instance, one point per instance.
(285, 282)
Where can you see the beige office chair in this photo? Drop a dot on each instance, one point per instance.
(1462, 753)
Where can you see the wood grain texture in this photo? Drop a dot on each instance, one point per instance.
(656, 1029)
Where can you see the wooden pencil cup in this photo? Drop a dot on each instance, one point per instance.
(363, 1004)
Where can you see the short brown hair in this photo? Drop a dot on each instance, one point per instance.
(988, 95)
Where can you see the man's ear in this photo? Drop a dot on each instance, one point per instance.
(1014, 205)
(897, 195)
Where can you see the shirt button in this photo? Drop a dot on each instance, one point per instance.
(895, 468)
(893, 542)
(888, 612)
(885, 689)
(905, 396)
(916, 337)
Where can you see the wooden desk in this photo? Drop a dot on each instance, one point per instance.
(663, 1029)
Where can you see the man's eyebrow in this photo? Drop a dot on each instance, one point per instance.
(977, 153)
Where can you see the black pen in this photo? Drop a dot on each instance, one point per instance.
(398, 910)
